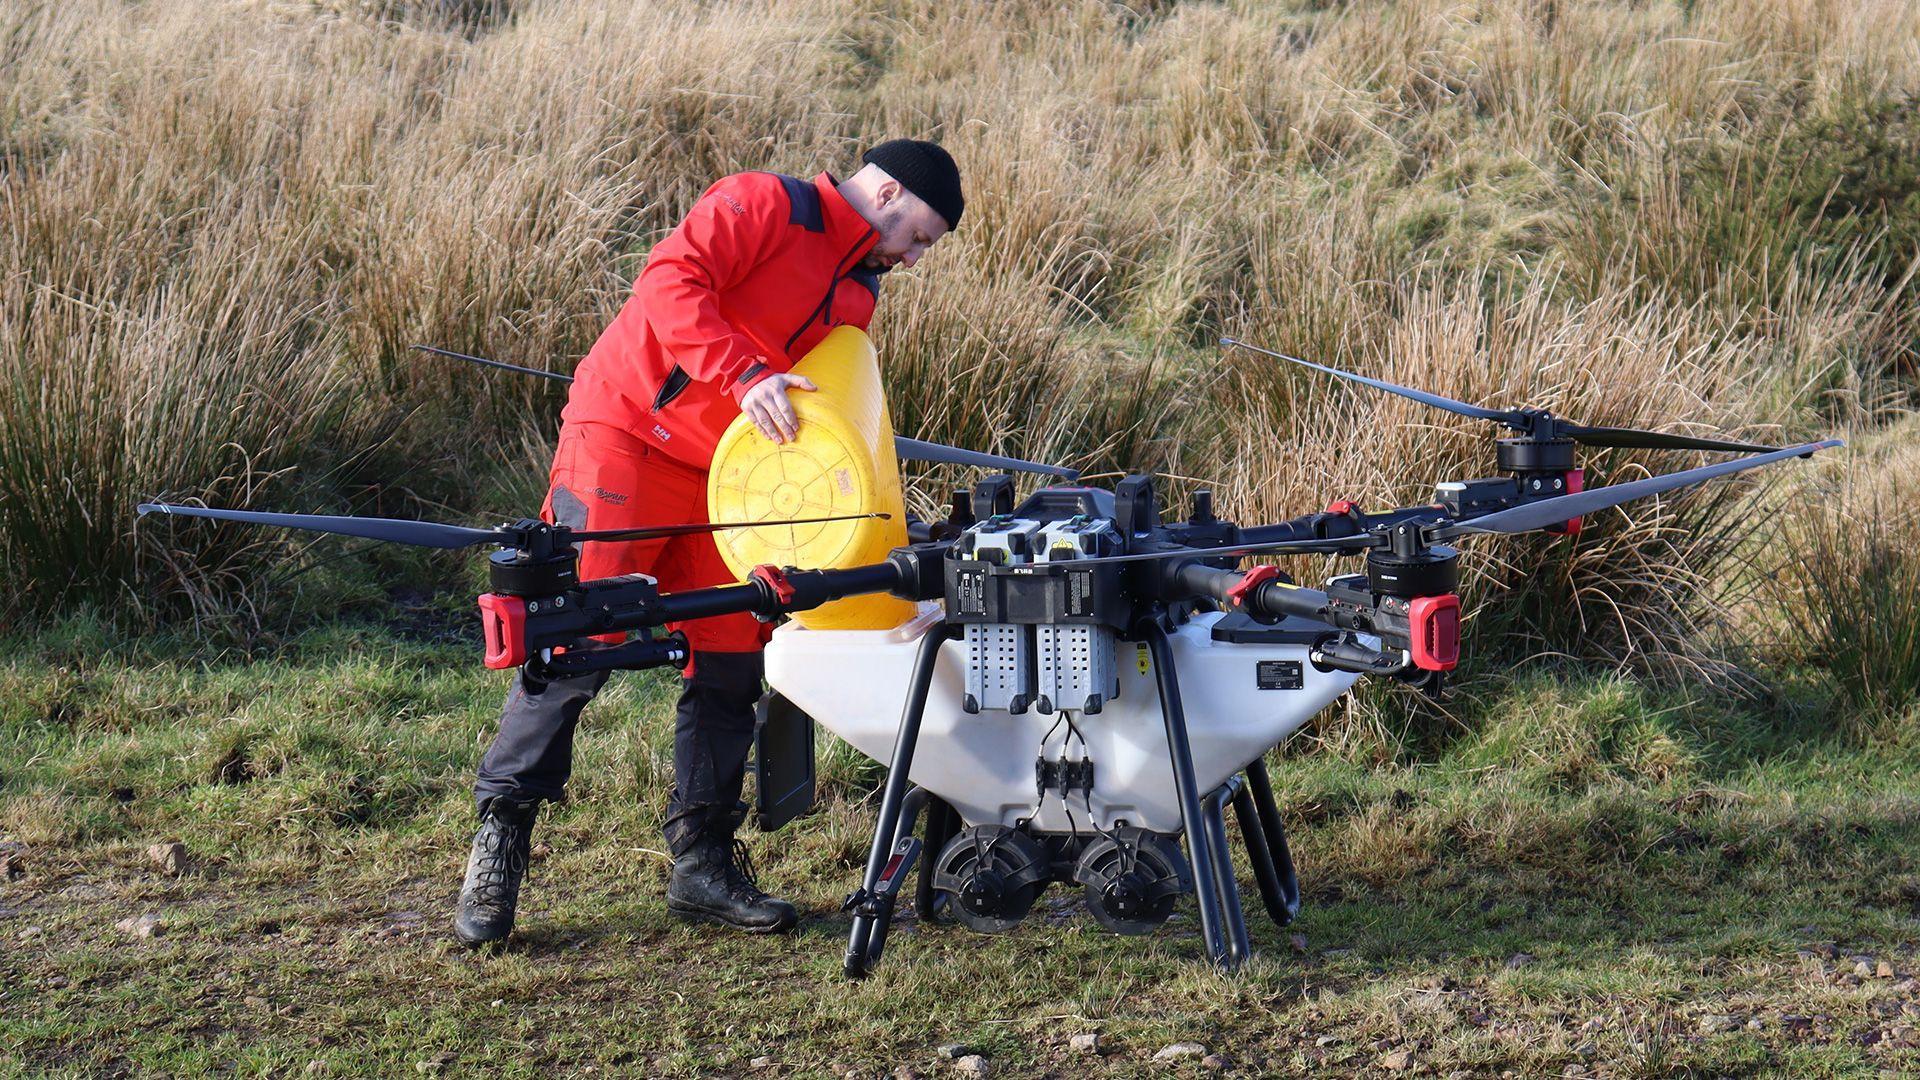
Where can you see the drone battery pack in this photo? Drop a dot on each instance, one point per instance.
(782, 761)
(1075, 667)
(999, 667)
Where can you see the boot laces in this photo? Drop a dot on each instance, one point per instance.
(502, 865)
(742, 880)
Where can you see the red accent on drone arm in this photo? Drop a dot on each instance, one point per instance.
(1257, 591)
(1576, 483)
(775, 579)
(1434, 622)
(503, 619)
(763, 595)
(1253, 579)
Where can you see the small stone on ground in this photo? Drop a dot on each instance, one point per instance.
(1087, 1042)
(973, 1065)
(170, 856)
(1398, 1061)
(1180, 1050)
(141, 926)
(952, 1051)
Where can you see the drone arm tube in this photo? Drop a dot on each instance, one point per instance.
(912, 573)
(773, 592)
(1262, 595)
(1331, 523)
(1266, 600)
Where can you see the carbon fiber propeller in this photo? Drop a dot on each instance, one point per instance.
(433, 534)
(1532, 423)
(1518, 519)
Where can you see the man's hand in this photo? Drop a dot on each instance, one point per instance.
(766, 404)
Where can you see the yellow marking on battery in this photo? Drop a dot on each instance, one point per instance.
(1140, 659)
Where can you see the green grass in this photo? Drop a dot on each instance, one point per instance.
(1663, 859)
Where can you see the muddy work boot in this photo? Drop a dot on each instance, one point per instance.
(495, 868)
(713, 880)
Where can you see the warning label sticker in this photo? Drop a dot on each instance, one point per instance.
(1278, 675)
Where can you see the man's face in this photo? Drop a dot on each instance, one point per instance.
(907, 227)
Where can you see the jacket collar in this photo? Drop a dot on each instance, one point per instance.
(845, 227)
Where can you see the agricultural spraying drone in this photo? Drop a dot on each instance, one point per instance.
(1090, 684)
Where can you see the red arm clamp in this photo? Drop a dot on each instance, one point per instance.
(1435, 624)
(775, 579)
(503, 619)
(1256, 577)
(1576, 482)
(1343, 507)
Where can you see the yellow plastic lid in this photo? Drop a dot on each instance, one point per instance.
(842, 462)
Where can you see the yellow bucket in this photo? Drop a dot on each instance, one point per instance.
(842, 462)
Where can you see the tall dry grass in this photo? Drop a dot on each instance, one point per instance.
(1845, 581)
(219, 245)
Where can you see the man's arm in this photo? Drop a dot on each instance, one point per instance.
(734, 227)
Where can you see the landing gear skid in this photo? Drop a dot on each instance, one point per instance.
(1223, 925)
(894, 850)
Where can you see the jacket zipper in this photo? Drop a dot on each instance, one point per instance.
(824, 309)
(675, 382)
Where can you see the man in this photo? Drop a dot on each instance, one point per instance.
(763, 266)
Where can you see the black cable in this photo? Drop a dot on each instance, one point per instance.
(1127, 857)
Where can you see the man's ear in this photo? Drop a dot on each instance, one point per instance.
(888, 191)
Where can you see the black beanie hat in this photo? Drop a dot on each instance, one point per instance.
(924, 169)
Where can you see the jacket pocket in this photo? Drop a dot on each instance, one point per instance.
(676, 383)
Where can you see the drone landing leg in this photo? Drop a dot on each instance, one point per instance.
(1267, 845)
(910, 807)
(1214, 810)
(1180, 750)
(891, 858)
(943, 823)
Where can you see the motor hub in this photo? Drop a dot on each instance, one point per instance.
(994, 875)
(1133, 878)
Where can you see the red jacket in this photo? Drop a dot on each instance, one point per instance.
(758, 272)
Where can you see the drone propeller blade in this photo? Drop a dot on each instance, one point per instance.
(1529, 423)
(1333, 546)
(1652, 440)
(917, 450)
(554, 375)
(1539, 515)
(418, 533)
(1458, 407)
(688, 530)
